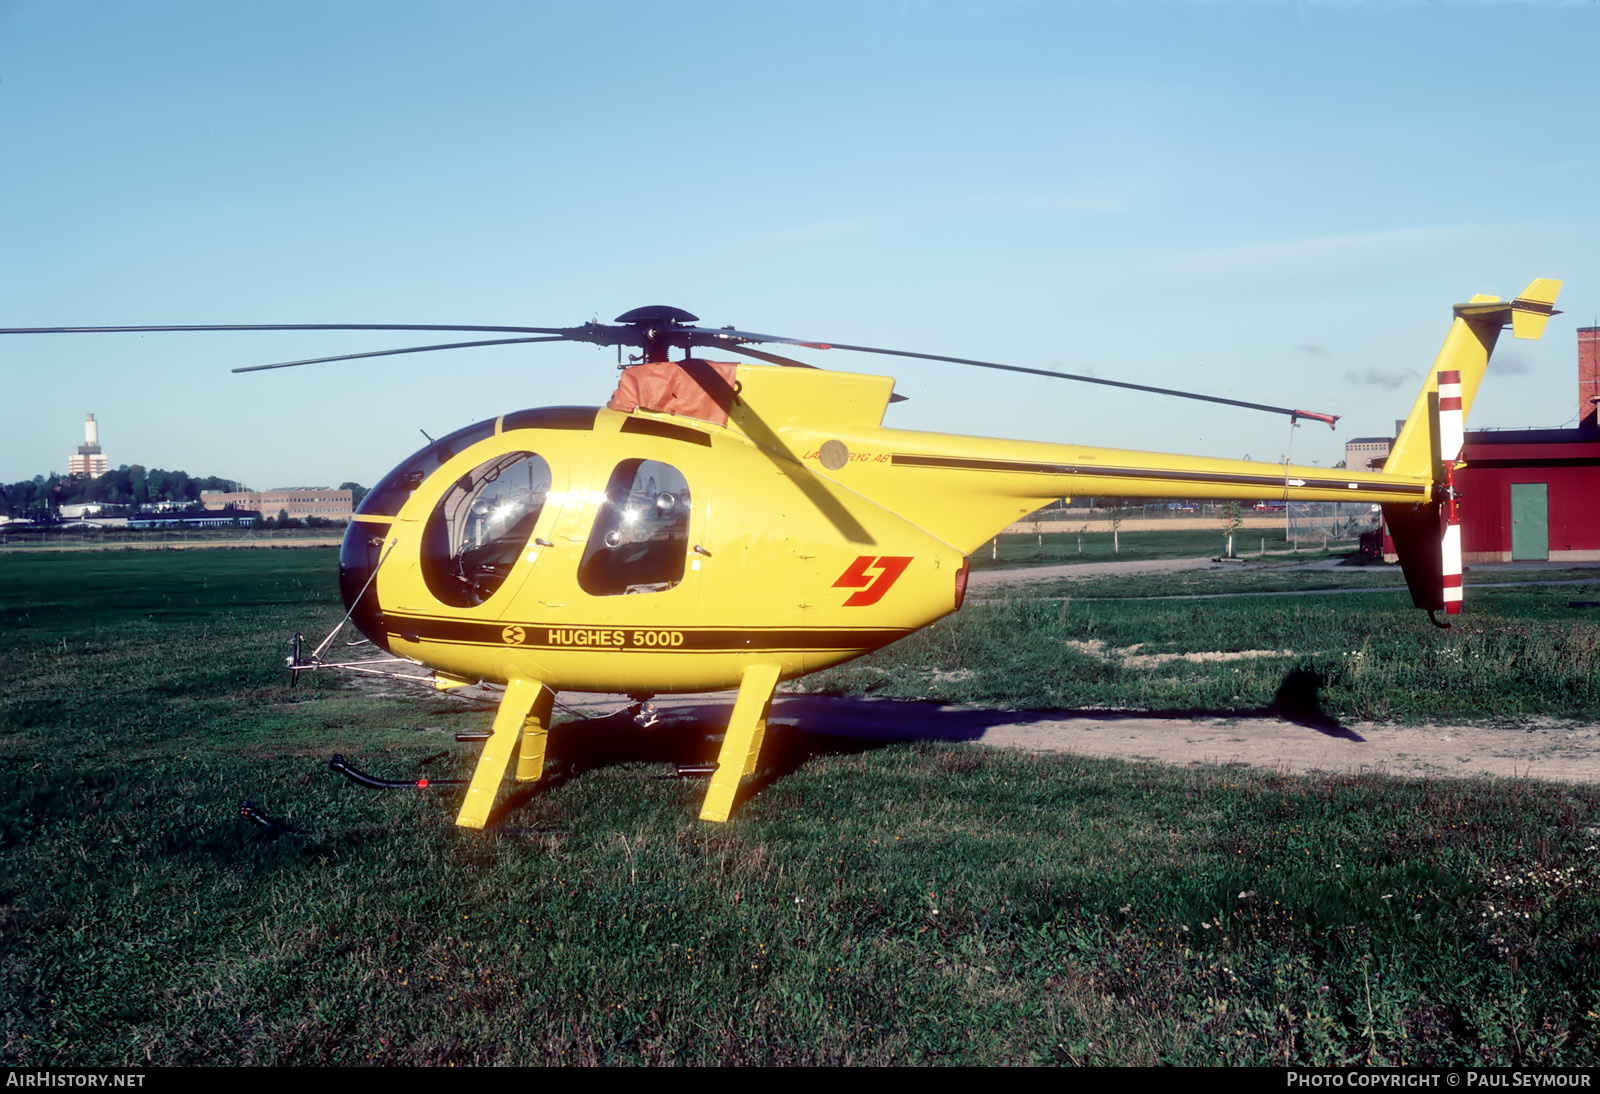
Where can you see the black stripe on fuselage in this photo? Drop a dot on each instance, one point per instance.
(651, 428)
(1271, 482)
(550, 417)
(507, 633)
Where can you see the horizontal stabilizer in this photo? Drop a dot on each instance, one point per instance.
(1527, 314)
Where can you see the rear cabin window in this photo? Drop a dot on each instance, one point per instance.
(478, 530)
(640, 540)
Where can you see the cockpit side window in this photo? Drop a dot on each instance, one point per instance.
(478, 530)
(640, 539)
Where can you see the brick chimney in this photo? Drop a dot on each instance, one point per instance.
(1588, 376)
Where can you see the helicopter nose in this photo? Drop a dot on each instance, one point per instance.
(359, 555)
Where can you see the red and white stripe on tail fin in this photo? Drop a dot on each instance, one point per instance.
(1451, 422)
(1451, 437)
(1427, 534)
(1451, 548)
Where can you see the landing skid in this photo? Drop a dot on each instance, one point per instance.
(524, 709)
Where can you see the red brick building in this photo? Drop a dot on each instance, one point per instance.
(1535, 493)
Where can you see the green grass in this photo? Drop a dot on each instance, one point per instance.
(1279, 575)
(915, 904)
(1519, 652)
(72, 595)
(1096, 545)
(61, 539)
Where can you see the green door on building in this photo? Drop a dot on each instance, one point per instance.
(1530, 521)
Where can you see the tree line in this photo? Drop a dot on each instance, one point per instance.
(129, 488)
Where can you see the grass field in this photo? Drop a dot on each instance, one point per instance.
(1119, 642)
(1283, 575)
(1098, 545)
(911, 904)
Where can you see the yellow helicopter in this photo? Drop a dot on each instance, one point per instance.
(726, 525)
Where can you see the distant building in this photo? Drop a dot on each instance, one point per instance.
(88, 461)
(298, 502)
(1531, 494)
(1535, 493)
(90, 513)
(1359, 452)
(193, 518)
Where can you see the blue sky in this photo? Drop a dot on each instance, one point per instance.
(1273, 201)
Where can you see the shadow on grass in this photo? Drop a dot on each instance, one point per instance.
(800, 727)
(1299, 700)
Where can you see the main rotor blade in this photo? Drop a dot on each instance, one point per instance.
(774, 359)
(769, 358)
(565, 332)
(672, 333)
(715, 335)
(711, 335)
(390, 352)
(1290, 412)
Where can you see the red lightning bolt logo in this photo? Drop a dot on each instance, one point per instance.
(857, 576)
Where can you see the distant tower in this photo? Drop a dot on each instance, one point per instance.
(88, 460)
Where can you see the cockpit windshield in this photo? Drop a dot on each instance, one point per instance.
(393, 490)
(477, 531)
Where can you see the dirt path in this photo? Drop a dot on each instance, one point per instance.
(1561, 753)
(1536, 749)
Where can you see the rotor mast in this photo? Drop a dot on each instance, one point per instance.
(659, 329)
